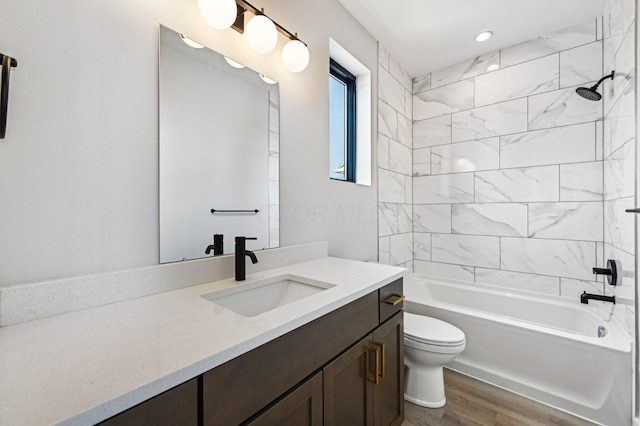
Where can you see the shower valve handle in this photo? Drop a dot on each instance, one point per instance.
(601, 271)
(611, 272)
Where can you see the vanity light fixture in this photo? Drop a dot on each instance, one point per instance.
(261, 31)
(219, 14)
(493, 67)
(484, 36)
(295, 55)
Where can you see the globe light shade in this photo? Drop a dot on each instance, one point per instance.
(261, 34)
(295, 56)
(220, 14)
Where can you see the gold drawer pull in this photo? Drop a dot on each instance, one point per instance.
(375, 380)
(381, 346)
(399, 298)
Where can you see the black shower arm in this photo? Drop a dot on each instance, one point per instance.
(604, 78)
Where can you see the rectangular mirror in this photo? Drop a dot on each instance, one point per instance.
(219, 150)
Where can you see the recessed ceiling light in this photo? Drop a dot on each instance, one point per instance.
(483, 36)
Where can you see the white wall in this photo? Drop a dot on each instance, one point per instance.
(79, 165)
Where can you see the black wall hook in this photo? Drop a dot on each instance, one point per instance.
(7, 64)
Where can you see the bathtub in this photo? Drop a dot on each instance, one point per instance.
(545, 348)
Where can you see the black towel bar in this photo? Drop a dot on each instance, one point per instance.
(636, 210)
(235, 211)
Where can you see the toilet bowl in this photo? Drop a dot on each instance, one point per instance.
(429, 344)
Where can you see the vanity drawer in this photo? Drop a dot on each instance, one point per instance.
(391, 297)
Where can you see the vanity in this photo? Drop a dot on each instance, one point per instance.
(351, 358)
(331, 357)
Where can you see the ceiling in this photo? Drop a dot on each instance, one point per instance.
(426, 35)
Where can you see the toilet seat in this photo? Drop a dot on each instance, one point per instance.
(420, 331)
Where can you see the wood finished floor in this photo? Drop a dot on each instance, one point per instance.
(471, 402)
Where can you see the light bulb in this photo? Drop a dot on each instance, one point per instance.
(220, 14)
(261, 34)
(295, 56)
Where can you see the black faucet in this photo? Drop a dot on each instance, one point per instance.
(217, 246)
(584, 298)
(241, 252)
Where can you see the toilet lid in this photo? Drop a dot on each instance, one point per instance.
(431, 330)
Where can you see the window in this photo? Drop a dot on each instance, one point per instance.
(342, 123)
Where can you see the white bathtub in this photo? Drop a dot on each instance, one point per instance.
(545, 348)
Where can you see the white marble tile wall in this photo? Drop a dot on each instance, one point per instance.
(619, 150)
(395, 164)
(547, 45)
(529, 78)
(517, 181)
(492, 120)
(274, 170)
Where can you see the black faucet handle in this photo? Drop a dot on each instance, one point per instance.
(602, 271)
(612, 272)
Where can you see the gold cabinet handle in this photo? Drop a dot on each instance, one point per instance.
(399, 298)
(375, 380)
(382, 361)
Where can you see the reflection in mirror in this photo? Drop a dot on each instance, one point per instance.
(219, 150)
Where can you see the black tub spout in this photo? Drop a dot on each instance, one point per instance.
(585, 297)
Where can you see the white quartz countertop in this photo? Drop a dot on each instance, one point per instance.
(85, 366)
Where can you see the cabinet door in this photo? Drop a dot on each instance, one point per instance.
(389, 392)
(303, 406)
(348, 392)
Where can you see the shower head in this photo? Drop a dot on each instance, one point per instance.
(591, 93)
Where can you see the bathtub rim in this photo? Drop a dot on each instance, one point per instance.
(617, 339)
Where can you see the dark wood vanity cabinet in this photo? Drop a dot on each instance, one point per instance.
(388, 394)
(300, 407)
(344, 368)
(365, 385)
(175, 407)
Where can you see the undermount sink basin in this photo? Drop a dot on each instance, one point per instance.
(256, 297)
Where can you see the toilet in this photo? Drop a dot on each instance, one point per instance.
(429, 344)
